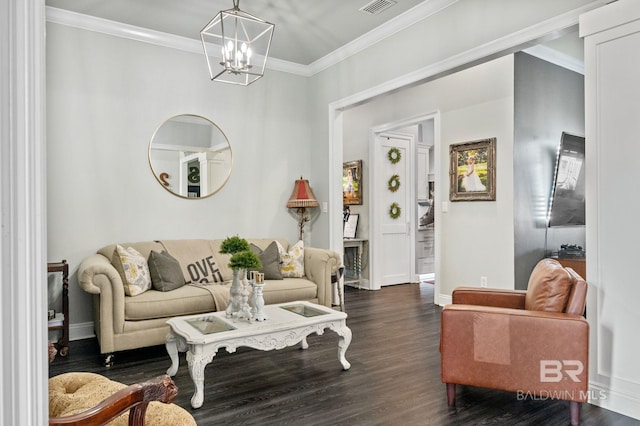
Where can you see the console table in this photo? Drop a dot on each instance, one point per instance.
(353, 275)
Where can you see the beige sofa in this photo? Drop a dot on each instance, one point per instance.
(127, 322)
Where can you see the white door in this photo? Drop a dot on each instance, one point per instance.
(394, 209)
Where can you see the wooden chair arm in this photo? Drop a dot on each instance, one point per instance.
(134, 398)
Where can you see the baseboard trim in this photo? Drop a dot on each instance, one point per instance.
(81, 331)
(620, 402)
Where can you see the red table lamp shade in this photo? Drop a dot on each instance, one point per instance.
(301, 198)
(302, 195)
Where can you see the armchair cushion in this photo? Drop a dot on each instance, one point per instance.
(549, 287)
(75, 393)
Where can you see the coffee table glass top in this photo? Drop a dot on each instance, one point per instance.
(210, 324)
(304, 310)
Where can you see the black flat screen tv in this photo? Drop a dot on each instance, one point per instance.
(567, 206)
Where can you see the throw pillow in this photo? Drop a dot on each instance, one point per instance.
(197, 260)
(270, 259)
(165, 270)
(133, 269)
(292, 261)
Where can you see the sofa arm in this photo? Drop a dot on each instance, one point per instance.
(96, 275)
(502, 298)
(97, 271)
(319, 266)
(510, 349)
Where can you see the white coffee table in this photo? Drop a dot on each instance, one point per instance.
(288, 324)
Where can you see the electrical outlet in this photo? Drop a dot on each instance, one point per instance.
(483, 281)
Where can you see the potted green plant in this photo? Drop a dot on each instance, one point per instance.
(242, 259)
(232, 245)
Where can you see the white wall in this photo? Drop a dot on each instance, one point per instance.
(477, 237)
(105, 98)
(474, 104)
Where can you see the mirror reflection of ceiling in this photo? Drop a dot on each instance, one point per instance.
(190, 132)
(190, 156)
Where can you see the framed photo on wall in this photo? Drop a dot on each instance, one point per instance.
(352, 183)
(472, 171)
(351, 226)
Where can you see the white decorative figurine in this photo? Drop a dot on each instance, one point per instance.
(256, 298)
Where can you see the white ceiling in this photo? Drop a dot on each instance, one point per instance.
(306, 30)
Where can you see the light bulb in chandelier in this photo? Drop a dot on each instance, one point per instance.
(236, 60)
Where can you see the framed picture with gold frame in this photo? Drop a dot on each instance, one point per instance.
(352, 183)
(472, 171)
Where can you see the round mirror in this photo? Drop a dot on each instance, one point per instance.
(190, 156)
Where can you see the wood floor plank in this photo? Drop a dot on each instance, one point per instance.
(394, 377)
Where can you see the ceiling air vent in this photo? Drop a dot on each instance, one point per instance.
(377, 6)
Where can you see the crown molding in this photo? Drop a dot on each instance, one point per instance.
(509, 43)
(555, 57)
(389, 28)
(119, 29)
(145, 35)
(158, 38)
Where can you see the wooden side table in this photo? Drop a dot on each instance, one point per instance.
(63, 342)
(577, 264)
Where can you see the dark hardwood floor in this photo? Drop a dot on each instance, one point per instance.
(394, 377)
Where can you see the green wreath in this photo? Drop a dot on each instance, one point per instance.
(394, 155)
(394, 183)
(394, 211)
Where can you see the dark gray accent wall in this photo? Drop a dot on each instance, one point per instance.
(548, 100)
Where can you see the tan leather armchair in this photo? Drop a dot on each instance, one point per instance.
(533, 342)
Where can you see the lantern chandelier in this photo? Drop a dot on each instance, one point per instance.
(236, 45)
